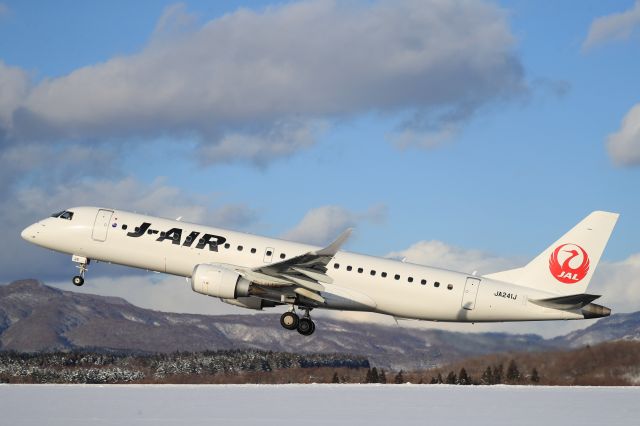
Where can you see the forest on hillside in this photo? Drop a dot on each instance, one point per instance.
(607, 364)
(236, 366)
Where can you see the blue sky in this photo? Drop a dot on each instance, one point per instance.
(488, 134)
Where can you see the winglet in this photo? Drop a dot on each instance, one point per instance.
(333, 248)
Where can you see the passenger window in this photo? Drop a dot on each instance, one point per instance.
(336, 265)
(436, 284)
(124, 227)
(373, 273)
(253, 250)
(397, 277)
(240, 248)
(360, 270)
(282, 255)
(410, 279)
(384, 275)
(450, 286)
(269, 253)
(349, 268)
(423, 282)
(227, 245)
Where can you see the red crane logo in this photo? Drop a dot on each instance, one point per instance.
(565, 272)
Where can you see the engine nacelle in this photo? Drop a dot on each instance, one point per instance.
(219, 281)
(246, 302)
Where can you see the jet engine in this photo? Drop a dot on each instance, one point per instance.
(219, 281)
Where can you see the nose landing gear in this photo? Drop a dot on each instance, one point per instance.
(291, 321)
(82, 265)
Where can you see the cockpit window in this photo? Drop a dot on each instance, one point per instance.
(63, 215)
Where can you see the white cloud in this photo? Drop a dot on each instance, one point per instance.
(321, 225)
(282, 140)
(430, 128)
(617, 26)
(156, 198)
(174, 21)
(49, 166)
(231, 83)
(441, 255)
(619, 283)
(624, 145)
(14, 85)
(412, 136)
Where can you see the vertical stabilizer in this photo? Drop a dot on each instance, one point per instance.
(566, 267)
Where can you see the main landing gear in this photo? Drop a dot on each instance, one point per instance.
(291, 321)
(82, 265)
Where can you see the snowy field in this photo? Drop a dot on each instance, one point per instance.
(72, 405)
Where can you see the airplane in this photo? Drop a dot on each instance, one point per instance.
(257, 272)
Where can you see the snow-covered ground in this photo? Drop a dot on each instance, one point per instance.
(71, 405)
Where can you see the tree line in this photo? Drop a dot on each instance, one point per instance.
(492, 375)
(607, 364)
(178, 367)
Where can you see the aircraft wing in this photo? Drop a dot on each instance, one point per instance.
(305, 273)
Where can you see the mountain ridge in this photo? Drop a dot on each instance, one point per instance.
(36, 317)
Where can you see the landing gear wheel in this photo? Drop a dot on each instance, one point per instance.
(82, 263)
(306, 327)
(289, 320)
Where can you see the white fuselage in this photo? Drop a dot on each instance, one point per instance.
(360, 282)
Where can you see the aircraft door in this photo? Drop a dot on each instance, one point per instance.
(470, 293)
(101, 225)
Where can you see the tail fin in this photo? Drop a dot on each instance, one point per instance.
(566, 267)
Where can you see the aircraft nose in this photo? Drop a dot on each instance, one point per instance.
(29, 232)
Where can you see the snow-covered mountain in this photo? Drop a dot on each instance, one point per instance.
(36, 317)
(615, 327)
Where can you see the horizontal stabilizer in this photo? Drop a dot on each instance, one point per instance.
(573, 301)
